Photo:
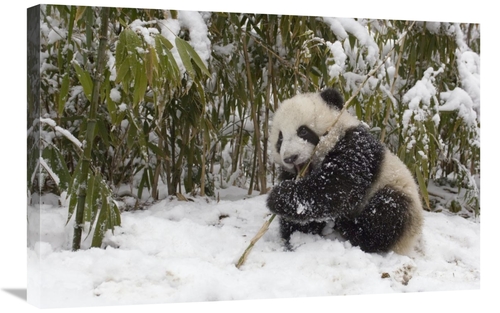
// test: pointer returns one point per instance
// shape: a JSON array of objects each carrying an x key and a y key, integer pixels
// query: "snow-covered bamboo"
[{"x": 91, "y": 125}]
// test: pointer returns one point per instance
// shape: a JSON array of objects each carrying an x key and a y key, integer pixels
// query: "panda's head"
[{"x": 300, "y": 123}]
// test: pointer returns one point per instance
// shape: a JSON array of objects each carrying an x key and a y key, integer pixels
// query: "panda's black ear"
[{"x": 333, "y": 98}]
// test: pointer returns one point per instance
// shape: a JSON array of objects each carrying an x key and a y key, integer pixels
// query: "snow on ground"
[{"x": 178, "y": 251}]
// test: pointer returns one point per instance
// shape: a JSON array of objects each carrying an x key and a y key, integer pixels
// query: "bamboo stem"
[
  {"x": 393, "y": 86},
  {"x": 255, "y": 116},
  {"x": 254, "y": 240},
  {"x": 91, "y": 124},
  {"x": 204, "y": 152}
]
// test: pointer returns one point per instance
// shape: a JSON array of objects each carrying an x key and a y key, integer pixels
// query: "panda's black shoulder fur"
[{"x": 333, "y": 98}]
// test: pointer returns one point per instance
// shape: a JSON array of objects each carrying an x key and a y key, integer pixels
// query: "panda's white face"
[
  {"x": 297, "y": 127},
  {"x": 295, "y": 147}
]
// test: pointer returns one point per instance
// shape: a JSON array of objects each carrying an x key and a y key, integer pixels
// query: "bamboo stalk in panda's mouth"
[{"x": 303, "y": 169}]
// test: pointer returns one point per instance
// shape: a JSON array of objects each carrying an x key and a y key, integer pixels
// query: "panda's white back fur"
[
  {"x": 311, "y": 110},
  {"x": 397, "y": 175}
]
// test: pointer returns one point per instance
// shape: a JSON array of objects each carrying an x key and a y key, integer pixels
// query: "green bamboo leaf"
[
  {"x": 201, "y": 92},
  {"x": 89, "y": 21},
  {"x": 127, "y": 59},
  {"x": 109, "y": 220},
  {"x": 85, "y": 80},
  {"x": 186, "y": 60},
  {"x": 60, "y": 61},
  {"x": 159, "y": 47},
  {"x": 116, "y": 214},
  {"x": 171, "y": 68},
  {"x": 432, "y": 46},
  {"x": 423, "y": 186},
  {"x": 161, "y": 52},
  {"x": 127, "y": 45},
  {"x": 72, "y": 204},
  {"x": 100, "y": 226},
  {"x": 140, "y": 83},
  {"x": 316, "y": 71},
  {"x": 206, "y": 129},
  {"x": 121, "y": 50},
  {"x": 359, "y": 109},
  {"x": 112, "y": 107},
  {"x": 73, "y": 189},
  {"x": 242, "y": 92},
  {"x": 103, "y": 132},
  {"x": 285, "y": 28},
  {"x": 99, "y": 188},
  {"x": 72, "y": 20},
  {"x": 79, "y": 12},
  {"x": 132, "y": 133},
  {"x": 144, "y": 182},
  {"x": 234, "y": 19},
  {"x": 63, "y": 93},
  {"x": 123, "y": 74},
  {"x": 113, "y": 209},
  {"x": 62, "y": 170},
  {"x": 135, "y": 131},
  {"x": 151, "y": 66},
  {"x": 402, "y": 153},
  {"x": 122, "y": 22},
  {"x": 154, "y": 148},
  {"x": 165, "y": 42},
  {"x": 196, "y": 58},
  {"x": 57, "y": 164},
  {"x": 89, "y": 199},
  {"x": 111, "y": 217},
  {"x": 413, "y": 56}
]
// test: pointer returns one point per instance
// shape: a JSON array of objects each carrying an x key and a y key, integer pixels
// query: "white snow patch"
[
  {"x": 186, "y": 251},
  {"x": 459, "y": 100},
  {"x": 198, "y": 34},
  {"x": 339, "y": 57},
  {"x": 62, "y": 131},
  {"x": 56, "y": 34},
  {"x": 469, "y": 70},
  {"x": 115, "y": 95},
  {"x": 122, "y": 107}
]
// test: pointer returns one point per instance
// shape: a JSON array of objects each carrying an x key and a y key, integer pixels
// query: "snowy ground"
[{"x": 178, "y": 251}]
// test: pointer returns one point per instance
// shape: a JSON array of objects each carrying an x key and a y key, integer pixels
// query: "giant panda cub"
[{"x": 353, "y": 181}]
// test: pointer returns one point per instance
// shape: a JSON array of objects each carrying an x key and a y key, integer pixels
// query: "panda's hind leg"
[{"x": 380, "y": 224}]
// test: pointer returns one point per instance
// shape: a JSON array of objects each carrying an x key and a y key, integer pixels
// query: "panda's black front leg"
[
  {"x": 298, "y": 201},
  {"x": 287, "y": 228},
  {"x": 285, "y": 199}
]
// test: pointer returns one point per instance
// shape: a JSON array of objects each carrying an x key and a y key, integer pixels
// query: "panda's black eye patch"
[
  {"x": 280, "y": 141},
  {"x": 308, "y": 135}
]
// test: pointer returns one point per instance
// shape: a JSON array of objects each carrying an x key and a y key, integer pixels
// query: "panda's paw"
[
  {"x": 279, "y": 200},
  {"x": 287, "y": 247}
]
